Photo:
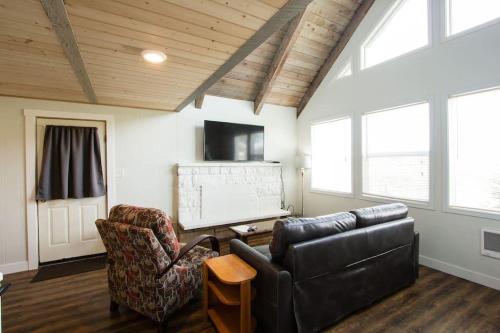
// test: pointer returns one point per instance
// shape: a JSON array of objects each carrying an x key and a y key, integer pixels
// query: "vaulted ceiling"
[{"x": 268, "y": 51}]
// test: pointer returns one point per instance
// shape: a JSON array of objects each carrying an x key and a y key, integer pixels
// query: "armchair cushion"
[
  {"x": 150, "y": 218},
  {"x": 183, "y": 281},
  {"x": 132, "y": 247}
]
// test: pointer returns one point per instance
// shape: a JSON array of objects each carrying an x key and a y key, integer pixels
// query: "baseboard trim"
[
  {"x": 14, "y": 267},
  {"x": 461, "y": 272}
]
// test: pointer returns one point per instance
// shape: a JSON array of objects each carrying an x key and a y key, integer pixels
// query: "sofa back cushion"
[
  {"x": 295, "y": 230},
  {"x": 369, "y": 216}
]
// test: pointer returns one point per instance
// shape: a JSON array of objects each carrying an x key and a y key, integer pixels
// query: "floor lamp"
[{"x": 303, "y": 162}]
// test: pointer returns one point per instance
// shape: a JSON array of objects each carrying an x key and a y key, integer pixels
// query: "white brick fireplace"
[{"x": 222, "y": 193}]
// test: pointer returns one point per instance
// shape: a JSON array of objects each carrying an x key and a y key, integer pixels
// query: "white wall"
[
  {"x": 449, "y": 242},
  {"x": 148, "y": 146}
]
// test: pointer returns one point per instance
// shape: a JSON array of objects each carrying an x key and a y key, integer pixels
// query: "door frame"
[{"x": 30, "y": 117}]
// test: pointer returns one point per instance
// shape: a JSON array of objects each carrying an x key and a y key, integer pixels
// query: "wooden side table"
[
  {"x": 228, "y": 293},
  {"x": 264, "y": 227}
]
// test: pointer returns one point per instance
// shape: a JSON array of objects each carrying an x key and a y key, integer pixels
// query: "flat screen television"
[{"x": 233, "y": 142}]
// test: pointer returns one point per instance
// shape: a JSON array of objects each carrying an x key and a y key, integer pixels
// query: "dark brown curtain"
[{"x": 71, "y": 164}]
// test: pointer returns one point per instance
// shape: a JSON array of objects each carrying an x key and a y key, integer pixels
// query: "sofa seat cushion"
[
  {"x": 369, "y": 216},
  {"x": 263, "y": 249},
  {"x": 295, "y": 230}
]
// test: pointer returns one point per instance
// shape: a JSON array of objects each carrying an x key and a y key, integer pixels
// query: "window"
[
  {"x": 473, "y": 151},
  {"x": 404, "y": 29},
  {"x": 331, "y": 156},
  {"x": 466, "y": 14},
  {"x": 396, "y": 146},
  {"x": 346, "y": 71}
]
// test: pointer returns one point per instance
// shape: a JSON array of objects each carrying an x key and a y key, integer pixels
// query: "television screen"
[{"x": 233, "y": 142}]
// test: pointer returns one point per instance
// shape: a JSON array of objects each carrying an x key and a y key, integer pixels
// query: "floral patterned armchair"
[{"x": 147, "y": 269}]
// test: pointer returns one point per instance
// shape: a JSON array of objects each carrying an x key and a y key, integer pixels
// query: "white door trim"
[{"x": 30, "y": 116}]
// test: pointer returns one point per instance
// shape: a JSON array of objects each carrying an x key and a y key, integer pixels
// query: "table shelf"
[
  {"x": 227, "y": 294},
  {"x": 227, "y": 280},
  {"x": 227, "y": 318}
]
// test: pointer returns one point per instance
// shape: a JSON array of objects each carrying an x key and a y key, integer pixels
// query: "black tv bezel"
[{"x": 235, "y": 161}]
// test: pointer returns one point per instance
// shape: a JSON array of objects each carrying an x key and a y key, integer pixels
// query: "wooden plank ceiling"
[
  {"x": 200, "y": 38},
  {"x": 326, "y": 20}
]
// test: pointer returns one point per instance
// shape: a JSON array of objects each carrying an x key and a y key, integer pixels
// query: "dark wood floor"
[{"x": 436, "y": 303}]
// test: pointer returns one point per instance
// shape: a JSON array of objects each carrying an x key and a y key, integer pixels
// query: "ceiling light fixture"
[{"x": 153, "y": 56}]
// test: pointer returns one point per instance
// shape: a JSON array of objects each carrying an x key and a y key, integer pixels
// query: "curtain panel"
[{"x": 71, "y": 164}]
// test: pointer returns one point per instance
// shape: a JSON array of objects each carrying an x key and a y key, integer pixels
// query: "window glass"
[
  {"x": 473, "y": 149},
  {"x": 466, "y": 14},
  {"x": 396, "y": 153},
  {"x": 403, "y": 30},
  {"x": 331, "y": 156}
]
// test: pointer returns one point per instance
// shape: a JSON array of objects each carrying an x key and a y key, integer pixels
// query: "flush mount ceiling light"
[{"x": 153, "y": 56}]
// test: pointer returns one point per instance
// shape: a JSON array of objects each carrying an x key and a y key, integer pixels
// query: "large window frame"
[
  {"x": 446, "y": 24},
  {"x": 446, "y": 174},
  {"x": 430, "y": 203},
  {"x": 334, "y": 192},
  {"x": 380, "y": 25}
]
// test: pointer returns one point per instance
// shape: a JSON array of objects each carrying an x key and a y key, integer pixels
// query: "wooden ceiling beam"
[
  {"x": 56, "y": 12},
  {"x": 279, "y": 59},
  {"x": 337, "y": 50},
  {"x": 198, "y": 102},
  {"x": 279, "y": 19}
]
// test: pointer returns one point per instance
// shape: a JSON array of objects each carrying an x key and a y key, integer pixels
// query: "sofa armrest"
[{"x": 273, "y": 285}]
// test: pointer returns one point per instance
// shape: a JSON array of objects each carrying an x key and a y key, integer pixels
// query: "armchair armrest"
[{"x": 192, "y": 243}]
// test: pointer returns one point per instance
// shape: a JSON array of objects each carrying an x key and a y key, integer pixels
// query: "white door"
[{"x": 66, "y": 228}]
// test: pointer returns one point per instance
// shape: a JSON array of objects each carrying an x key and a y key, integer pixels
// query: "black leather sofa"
[{"x": 317, "y": 271}]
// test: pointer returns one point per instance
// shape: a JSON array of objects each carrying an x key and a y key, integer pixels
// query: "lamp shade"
[{"x": 303, "y": 161}]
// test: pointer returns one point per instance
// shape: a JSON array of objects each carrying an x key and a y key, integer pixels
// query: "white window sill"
[
  {"x": 332, "y": 193},
  {"x": 409, "y": 203},
  {"x": 472, "y": 212}
]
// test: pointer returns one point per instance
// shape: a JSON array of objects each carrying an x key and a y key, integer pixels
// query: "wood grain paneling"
[
  {"x": 438, "y": 302},
  {"x": 280, "y": 56},
  {"x": 276, "y": 22},
  {"x": 243, "y": 80},
  {"x": 318, "y": 35},
  {"x": 198, "y": 36},
  {"x": 335, "y": 53},
  {"x": 32, "y": 62},
  {"x": 56, "y": 12},
  {"x": 216, "y": 47}
]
